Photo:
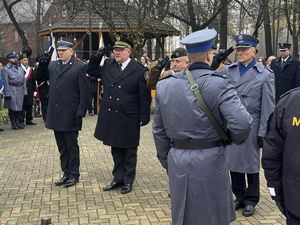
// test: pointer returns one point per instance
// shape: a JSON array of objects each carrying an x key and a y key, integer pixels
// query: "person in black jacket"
[
  {"x": 30, "y": 85},
  {"x": 42, "y": 88},
  {"x": 69, "y": 95},
  {"x": 286, "y": 70},
  {"x": 281, "y": 156},
  {"x": 125, "y": 107}
]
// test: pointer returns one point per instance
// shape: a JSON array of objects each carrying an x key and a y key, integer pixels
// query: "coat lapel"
[
  {"x": 249, "y": 75},
  {"x": 66, "y": 66},
  {"x": 126, "y": 72}
]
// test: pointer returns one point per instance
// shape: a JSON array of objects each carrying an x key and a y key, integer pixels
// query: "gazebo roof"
[{"x": 84, "y": 21}]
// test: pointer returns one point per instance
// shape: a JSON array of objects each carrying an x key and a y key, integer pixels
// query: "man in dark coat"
[
  {"x": 30, "y": 85},
  {"x": 281, "y": 156},
  {"x": 42, "y": 91},
  {"x": 14, "y": 90},
  {"x": 286, "y": 70},
  {"x": 68, "y": 100},
  {"x": 125, "y": 107}
]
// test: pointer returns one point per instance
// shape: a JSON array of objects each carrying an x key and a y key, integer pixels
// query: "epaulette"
[
  {"x": 171, "y": 75},
  {"x": 288, "y": 92},
  {"x": 219, "y": 74}
]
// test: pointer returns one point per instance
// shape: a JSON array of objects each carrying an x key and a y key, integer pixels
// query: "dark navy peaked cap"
[
  {"x": 284, "y": 46},
  {"x": 245, "y": 41},
  {"x": 64, "y": 44},
  {"x": 199, "y": 41}
]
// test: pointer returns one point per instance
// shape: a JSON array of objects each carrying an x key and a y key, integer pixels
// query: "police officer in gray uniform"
[
  {"x": 254, "y": 84},
  {"x": 187, "y": 144}
]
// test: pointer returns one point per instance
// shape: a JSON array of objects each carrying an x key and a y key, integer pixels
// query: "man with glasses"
[
  {"x": 254, "y": 84},
  {"x": 287, "y": 71},
  {"x": 125, "y": 107}
]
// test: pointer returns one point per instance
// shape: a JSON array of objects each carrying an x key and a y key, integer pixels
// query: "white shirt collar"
[
  {"x": 124, "y": 64},
  {"x": 285, "y": 59}
]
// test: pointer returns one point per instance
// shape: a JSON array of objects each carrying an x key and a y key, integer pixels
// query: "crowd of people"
[{"x": 209, "y": 125}]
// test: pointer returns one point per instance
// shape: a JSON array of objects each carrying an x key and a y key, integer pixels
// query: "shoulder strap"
[{"x": 203, "y": 105}]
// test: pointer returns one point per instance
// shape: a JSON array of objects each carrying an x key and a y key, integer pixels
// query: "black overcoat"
[
  {"x": 286, "y": 78},
  {"x": 31, "y": 88},
  {"x": 125, "y": 102},
  {"x": 281, "y": 152},
  {"x": 69, "y": 93}
]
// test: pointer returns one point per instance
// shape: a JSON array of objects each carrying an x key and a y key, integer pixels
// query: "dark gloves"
[
  {"x": 143, "y": 123},
  {"x": 7, "y": 97},
  {"x": 280, "y": 206},
  {"x": 260, "y": 142},
  {"x": 103, "y": 51},
  {"x": 78, "y": 122},
  {"x": 163, "y": 63},
  {"x": 45, "y": 57}
]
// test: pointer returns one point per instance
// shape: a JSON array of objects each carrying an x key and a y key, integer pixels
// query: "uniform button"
[
  {"x": 116, "y": 111},
  {"x": 112, "y": 85},
  {"x": 118, "y": 99},
  {"x": 109, "y": 109},
  {"x": 56, "y": 104},
  {"x": 110, "y": 97},
  {"x": 120, "y": 86}
]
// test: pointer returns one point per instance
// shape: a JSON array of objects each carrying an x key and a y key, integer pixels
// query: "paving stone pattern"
[{"x": 29, "y": 166}]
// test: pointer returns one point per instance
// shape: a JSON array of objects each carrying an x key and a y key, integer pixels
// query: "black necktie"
[{"x": 120, "y": 67}]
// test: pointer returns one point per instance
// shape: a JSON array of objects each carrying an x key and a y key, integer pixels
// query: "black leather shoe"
[
  {"x": 248, "y": 210},
  {"x": 238, "y": 205},
  {"x": 126, "y": 189},
  {"x": 30, "y": 123},
  {"x": 113, "y": 185},
  {"x": 71, "y": 181},
  {"x": 21, "y": 126},
  {"x": 15, "y": 127},
  {"x": 61, "y": 181}
]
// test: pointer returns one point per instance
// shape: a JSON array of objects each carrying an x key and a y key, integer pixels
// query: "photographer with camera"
[{"x": 69, "y": 93}]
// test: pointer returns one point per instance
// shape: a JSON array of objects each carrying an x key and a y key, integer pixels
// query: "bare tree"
[{"x": 10, "y": 13}]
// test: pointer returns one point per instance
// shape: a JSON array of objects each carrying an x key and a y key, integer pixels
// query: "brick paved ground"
[{"x": 29, "y": 165}]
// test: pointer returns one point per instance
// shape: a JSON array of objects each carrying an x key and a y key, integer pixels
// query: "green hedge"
[{"x": 4, "y": 116}]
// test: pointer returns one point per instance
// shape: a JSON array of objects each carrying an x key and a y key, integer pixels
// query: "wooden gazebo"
[{"x": 88, "y": 27}]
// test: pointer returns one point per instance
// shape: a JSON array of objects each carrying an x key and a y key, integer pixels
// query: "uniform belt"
[
  {"x": 16, "y": 85},
  {"x": 194, "y": 144}
]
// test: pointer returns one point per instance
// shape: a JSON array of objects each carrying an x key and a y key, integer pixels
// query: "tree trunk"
[
  {"x": 267, "y": 28},
  {"x": 38, "y": 25},
  {"x": 21, "y": 33},
  {"x": 223, "y": 25},
  {"x": 149, "y": 48}
]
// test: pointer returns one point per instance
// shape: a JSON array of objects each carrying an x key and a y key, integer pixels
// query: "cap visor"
[{"x": 120, "y": 46}]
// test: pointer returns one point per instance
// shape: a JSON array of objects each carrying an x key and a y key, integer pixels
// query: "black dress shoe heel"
[
  {"x": 126, "y": 189},
  {"x": 238, "y": 205},
  {"x": 113, "y": 185},
  {"x": 248, "y": 210},
  {"x": 71, "y": 181},
  {"x": 61, "y": 181},
  {"x": 30, "y": 123}
]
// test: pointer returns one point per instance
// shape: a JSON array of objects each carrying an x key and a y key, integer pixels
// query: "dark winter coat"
[{"x": 125, "y": 103}]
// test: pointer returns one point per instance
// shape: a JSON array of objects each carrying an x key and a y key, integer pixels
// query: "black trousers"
[
  {"x": 125, "y": 160},
  {"x": 93, "y": 103},
  {"x": 27, "y": 113},
  {"x": 44, "y": 105},
  {"x": 68, "y": 148},
  {"x": 15, "y": 118},
  {"x": 249, "y": 194}
]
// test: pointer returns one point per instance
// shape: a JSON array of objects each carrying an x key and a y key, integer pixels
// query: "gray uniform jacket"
[
  {"x": 14, "y": 87},
  {"x": 199, "y": 180},
  {"x": 257, "y": 92}
]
